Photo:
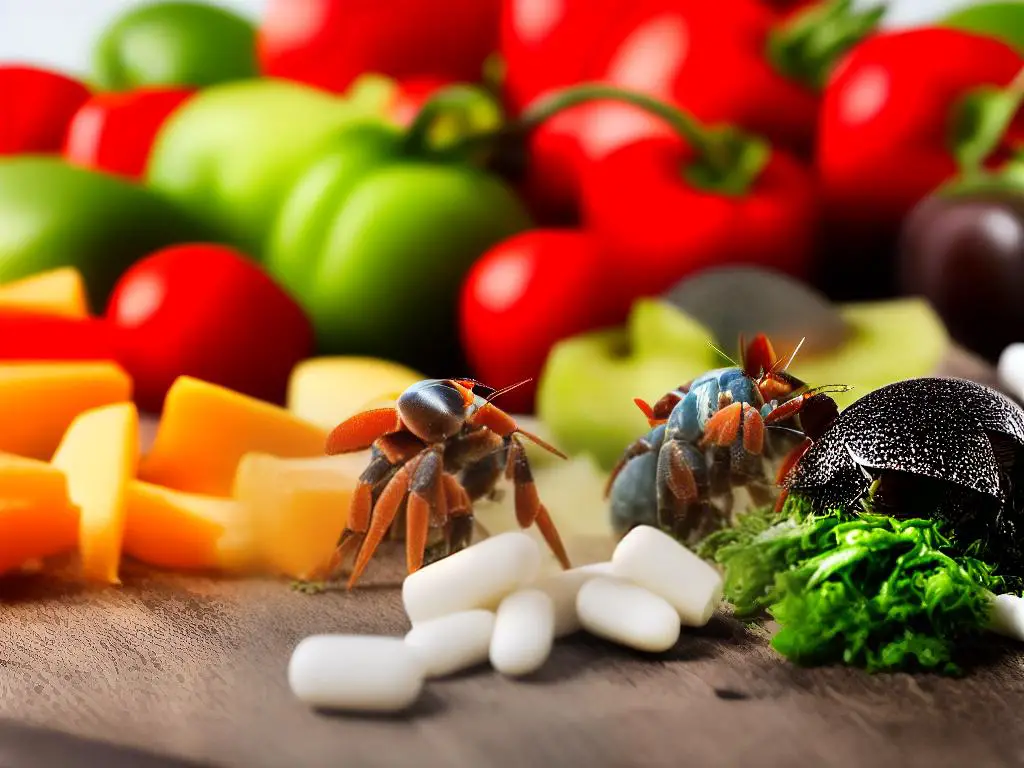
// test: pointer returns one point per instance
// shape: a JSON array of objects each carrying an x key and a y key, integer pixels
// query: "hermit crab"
[
  {"x": 933, "y": 447},
  {"x": 443, "y": 445},
  {"x": 709, "y": 437}
]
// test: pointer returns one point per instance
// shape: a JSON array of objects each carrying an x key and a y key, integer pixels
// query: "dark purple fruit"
[{"x": 964, "y": 253}]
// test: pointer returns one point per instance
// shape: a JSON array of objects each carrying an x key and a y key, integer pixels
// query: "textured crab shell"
[
  {"x": 634, "y": 494},
  {"x": 935, "y": 427},
  {"x": 691, "y": 414}
]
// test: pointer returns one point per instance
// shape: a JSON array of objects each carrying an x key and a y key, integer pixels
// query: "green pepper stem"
[
  {"x": 980, "y": 122},
  {"x": 451, "y": 100},
  {"x": 807, "y": 45},
  {"x": 700, "y": 139}
]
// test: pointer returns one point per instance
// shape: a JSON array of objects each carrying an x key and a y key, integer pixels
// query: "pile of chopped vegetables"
[{"x": 863, "y": 589}]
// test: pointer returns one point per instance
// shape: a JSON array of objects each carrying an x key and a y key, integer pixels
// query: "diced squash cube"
[
  {"x": 205, "y": 430},
  {"x": 37, "y": 519},
  {"x": 173, "y": 529},
  {"x": 54, "y": 292},
  {"x": 38, "y": 401},
  {"x": 300, "y": 507},
  {"x": 99, "y": 454},
  {"x": 327, "y": 390}
]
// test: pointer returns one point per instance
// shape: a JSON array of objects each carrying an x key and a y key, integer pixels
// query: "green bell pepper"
[
  {"x": 230, "y": 152},
  {"x": 184, "y": 44},
  {"x": 54, "y": 215},
  {"x": 375, "y": 237}
]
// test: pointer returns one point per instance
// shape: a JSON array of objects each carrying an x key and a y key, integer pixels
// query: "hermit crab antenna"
[
  {"x": 504, "y": 390},
  {"x": 724, "y": 356},
  {"x": 792, "y": 357}
]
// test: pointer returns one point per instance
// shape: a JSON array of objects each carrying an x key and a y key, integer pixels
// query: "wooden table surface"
[{"x": 194, "y": 668}]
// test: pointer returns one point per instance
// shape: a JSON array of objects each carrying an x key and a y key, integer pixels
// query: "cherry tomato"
[
  {"x": 523, "y": 296},
  {"x": 206, "y": 311}
]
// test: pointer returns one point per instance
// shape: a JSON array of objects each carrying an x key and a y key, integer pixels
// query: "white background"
[{"x": 59, "y": 33}]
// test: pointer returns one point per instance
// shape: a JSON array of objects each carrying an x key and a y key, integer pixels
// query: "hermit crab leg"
[
  {"x": 359, "y": 432},
  {"x": 637, "y": 448},
  {"x": 679, "y": 487},
  {"x": 384, "y": 512},
  {"x": 529, "y": 509},
  {"x": 497, "y": 420},
  {"x": 459, "y": 527},
  {"x": 423, "y": 501}
]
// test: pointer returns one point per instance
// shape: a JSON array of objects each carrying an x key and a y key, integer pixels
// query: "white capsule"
[
  {"x": 362, "y": 673},
  {"x": 654, "y": 560},
  {"x": 524, "y": 630},
  {"x": 477, "y": 577},
  {"x": 452, "y": 643},
  {"x": 562, "y": 588},
  {"x": 627, "y": 614},
  {"x": 1011, "y": 369},
  {"x": 1006, "y": 616}
]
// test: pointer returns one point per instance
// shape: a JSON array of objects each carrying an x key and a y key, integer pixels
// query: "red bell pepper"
[
  {"x": 37, "y": 106},
  {"x": 329, "y": 43},
  {"x": 113, "y": 132},
  {"x": 889, "y": 124},
  {"x": 904, "y": 113},
  {"x": 547, "y": 44},
  {"x": 664, "y": 208},
  {"x": 35, "y": 336},
  {"x": 525, "y": 295},
  {"x": 736, "y": 62}
]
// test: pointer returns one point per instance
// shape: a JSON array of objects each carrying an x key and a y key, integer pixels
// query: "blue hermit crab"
[{"x": 708, "y": 437}]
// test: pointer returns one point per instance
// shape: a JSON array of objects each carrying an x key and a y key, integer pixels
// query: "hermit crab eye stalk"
[
  {"x": 434, "y": 409},
  {"x": 477, "y": 387}
]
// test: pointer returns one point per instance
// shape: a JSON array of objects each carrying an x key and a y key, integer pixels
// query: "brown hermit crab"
[{"x": 443, "y": 445}]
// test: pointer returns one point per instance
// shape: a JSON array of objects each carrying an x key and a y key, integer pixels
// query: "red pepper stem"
[{"x": 702, "y": 140}]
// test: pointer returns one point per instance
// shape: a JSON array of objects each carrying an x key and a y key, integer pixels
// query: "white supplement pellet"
[
  {"x": 477, "y": 577},
  {"x": 524, "y": 630},
  {"x": 1011, "y": 369},
  {"x": 1007, "y": 616},
  {"x": 452, "y": 643},
  {"x": 627, "y": 614},
  {"x": 361, "y": 673},
  {"x": 654, "y": 560},
  {"x": 596, "y": 569},
  {"x": 563, "y": 587}
]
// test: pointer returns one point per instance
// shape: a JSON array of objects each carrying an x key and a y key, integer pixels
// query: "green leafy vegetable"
[{"x": 863, "y": 589}]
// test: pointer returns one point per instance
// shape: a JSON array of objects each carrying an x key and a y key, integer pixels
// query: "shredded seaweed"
[{"x": 862, "y": 589}]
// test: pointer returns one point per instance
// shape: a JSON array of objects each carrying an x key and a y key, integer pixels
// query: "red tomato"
[
  {"x": 329, "y": 43},
  {"x": 657, "y": 227},
  {"x": 522, "y": 297},
  {"x": 113, "y": 132},
  {"x": 206, "y": 311},
  {"x": 37, "y": 106}
]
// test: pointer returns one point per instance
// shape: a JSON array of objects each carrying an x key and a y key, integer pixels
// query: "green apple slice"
[
  {"x": 888, "y": 341},
  {"x": 586, "y": 390}
]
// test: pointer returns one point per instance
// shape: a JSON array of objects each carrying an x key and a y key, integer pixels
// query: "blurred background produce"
[{"x": 314, "y": 202}]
